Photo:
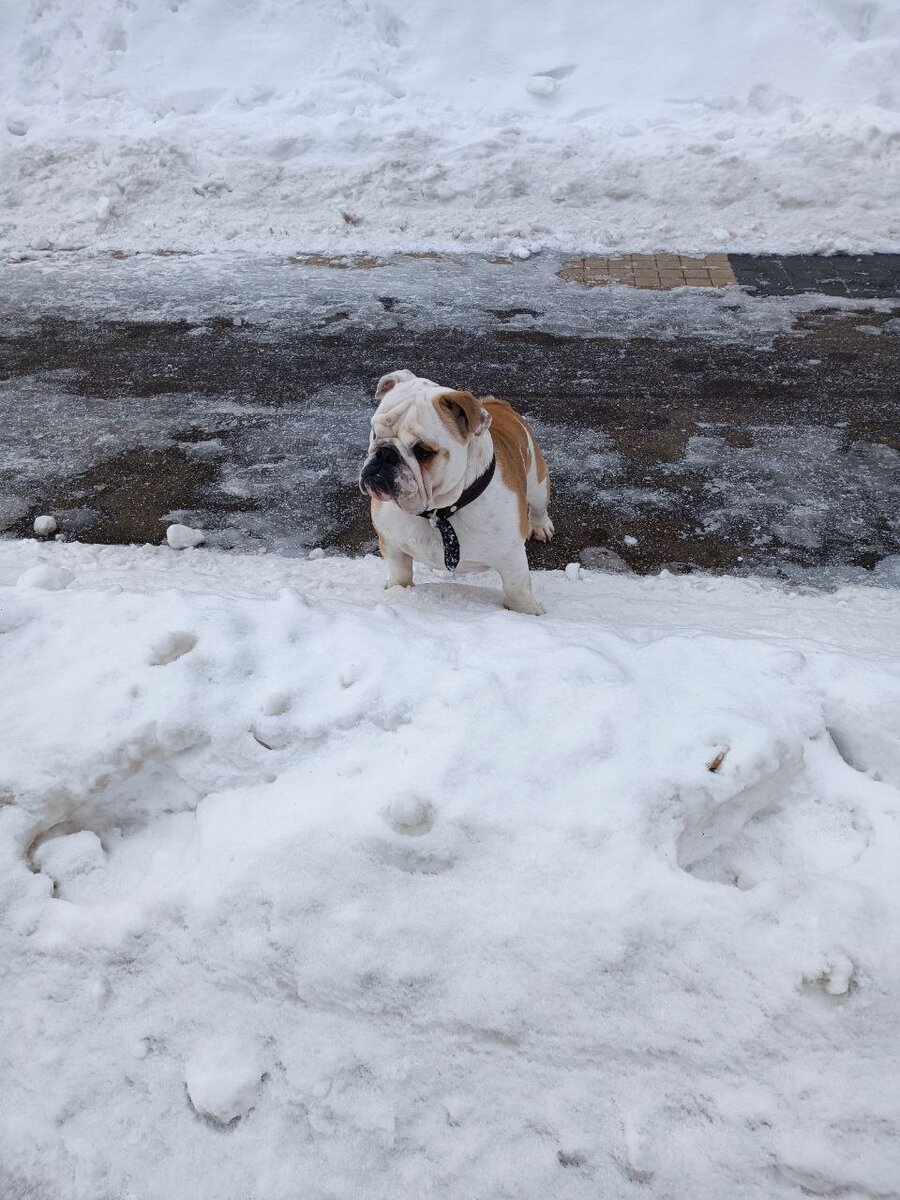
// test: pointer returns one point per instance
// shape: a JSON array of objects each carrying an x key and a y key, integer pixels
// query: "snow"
[
  {"x": 182, "y": 537},
  {"x": 296, "y": 124},
  {"x": 417, "y": 896},
  {"x": 44, "y": 526},
  {"x": 223, "y": 1076},
  {"x": 45, "y": 575}
]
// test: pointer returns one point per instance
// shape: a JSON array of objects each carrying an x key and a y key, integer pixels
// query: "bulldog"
[{"x": 455, "y": 482}]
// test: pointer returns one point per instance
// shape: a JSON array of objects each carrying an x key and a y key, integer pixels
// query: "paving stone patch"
[{"x": 659, "y": 272}]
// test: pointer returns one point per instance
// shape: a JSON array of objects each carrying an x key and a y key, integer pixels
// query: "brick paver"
[{"x": 660, "y": 272}]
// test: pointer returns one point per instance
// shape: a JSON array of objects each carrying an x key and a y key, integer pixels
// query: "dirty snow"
[
  {"x": 287, "y": 124},
  {"x": 312, "y": 888}
]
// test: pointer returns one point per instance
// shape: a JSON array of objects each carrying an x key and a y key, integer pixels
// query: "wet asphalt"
[{"x": 777, "y": 456}]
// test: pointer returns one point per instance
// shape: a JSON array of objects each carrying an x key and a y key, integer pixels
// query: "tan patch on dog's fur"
[
  {"x": 461, "y": 412},
  {"x": 512, "y": 447}
]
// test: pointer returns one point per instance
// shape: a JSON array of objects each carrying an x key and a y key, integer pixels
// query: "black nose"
[
  {"x": 386, "y": 456},
  {"x": 379, "y": 474},
  {"x": 382, "y": 460}
]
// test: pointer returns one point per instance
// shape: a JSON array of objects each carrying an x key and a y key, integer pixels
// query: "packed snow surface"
[
  {"x": 688, "y": 125},
  {"x": 313, "y": 889}
]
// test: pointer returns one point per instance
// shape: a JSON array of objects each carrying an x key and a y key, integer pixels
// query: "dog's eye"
[{"x": 424, "y": 453}]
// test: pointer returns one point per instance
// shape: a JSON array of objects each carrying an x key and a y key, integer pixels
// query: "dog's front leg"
[
  {"x": 400, "y": 565},
  {"x": 517, "y": 593}
]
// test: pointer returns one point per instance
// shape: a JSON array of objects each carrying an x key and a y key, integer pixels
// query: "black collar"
[
  {"x": 466, "y": 496},
  {"x": 440, "y": 517}
]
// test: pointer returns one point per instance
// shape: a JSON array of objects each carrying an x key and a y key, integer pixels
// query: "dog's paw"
[
  {"x": 542, "y": 531},
  {"x": 391, "y": 583},
  {"x": 530, "y": 608}
]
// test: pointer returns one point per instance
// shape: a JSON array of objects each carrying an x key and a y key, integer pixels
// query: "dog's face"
[{"x": 421, "y": 436}]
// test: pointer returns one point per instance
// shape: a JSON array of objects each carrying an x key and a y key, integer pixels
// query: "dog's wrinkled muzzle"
[{"x": 380, "y": 473}]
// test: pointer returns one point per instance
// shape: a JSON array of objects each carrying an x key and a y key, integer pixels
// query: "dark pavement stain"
[{"x": 123, "y": 500}]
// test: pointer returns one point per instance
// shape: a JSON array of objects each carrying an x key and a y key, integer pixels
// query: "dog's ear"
[
  {"x": 465, "y": 412},
  {"x": 386, "y": 382}
]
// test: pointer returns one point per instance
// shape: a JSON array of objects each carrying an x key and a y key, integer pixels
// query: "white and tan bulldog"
[{"x": 454, "y": 482}]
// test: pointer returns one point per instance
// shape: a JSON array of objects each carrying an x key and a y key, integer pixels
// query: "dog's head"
[{"x": 420, "y": 443}]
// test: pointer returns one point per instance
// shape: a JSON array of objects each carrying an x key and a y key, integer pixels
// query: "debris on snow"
[
  {"x": 717, "y": 761},
  {"x": 838, "y": 975}
]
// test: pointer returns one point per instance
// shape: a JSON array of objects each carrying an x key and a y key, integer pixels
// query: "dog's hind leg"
[
  {"x": 538, "y": 496},
  {"x": 517, "y": 593}
]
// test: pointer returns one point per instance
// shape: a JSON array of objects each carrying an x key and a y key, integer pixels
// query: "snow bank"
[
  {"x": 301, "y": 124},
  {"x": 312, "y": 888}
]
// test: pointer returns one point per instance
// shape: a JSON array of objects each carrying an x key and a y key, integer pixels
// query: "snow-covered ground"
[
  {"x": 349, "y": 124},
  {"x": 309, "y": 889},
  {"x": 315, "y": 890}
]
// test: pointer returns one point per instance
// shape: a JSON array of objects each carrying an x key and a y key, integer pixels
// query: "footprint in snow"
[
  {"x": 171, "y": 647},
  {"x": 753, "y": 825},
  {"x": 277, "y": 704},
  {"x": 64, "y": 855},
  {"x": 223, "y": 1078},
  {"x": 410, "y": 815}
]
